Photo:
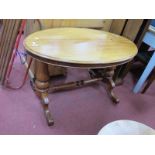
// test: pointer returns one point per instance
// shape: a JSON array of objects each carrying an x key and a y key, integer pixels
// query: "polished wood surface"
[
  {"x": 80, "y": 46},
  {"x": 77, "y": 47},
  {"x": 41, "y": 88},
  {"x": 34, "y": 25}
]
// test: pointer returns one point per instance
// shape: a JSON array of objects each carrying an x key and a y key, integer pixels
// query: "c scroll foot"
[
  {"x": 109, "y": 89},
  {"x": 45, "y": 102}
]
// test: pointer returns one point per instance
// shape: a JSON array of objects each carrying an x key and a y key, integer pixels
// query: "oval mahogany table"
[{"x": 77, "y": 47}]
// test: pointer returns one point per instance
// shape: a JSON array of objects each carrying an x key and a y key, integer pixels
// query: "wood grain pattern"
[
  {"x": 11, "y": 46},
  {"x": 9, "y": 34},
  {"x": 117, "y": 26},
  {"x": 84, "y": 23},
  {"x": 33, "y": 26},
  {"x": 79, "y": 45},
  {"x": 4, "y": 33},
  {"x": 4, "y": 43},
  {"x": 41, "y": 88},
  {"x": 7, "y": 39},
  {"x": 132, "y": 27}
]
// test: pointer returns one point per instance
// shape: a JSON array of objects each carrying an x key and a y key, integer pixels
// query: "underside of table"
[{"x": 42, "y": 85}]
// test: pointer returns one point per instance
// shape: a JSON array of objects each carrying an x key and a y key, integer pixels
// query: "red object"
[{"x": 13, "y": 58}]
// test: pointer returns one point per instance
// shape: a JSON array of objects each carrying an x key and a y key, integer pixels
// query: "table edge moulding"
[{"x": 101, "y": 50}]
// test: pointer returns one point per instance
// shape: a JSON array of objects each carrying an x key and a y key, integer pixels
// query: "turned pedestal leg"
[
  {"x": 108, "y": 79},
  {"x": 41, "y": 87}
]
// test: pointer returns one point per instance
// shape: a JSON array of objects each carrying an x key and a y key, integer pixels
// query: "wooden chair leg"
[{"x": 150, "y": 81}]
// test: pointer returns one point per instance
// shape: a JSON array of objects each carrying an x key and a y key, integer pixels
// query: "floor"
[{"x": 81, "y": 111}]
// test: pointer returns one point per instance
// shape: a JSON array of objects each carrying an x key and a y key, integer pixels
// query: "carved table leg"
[
  {"x": 108, "y": 78},
  {"x": 41, "y": 87}
]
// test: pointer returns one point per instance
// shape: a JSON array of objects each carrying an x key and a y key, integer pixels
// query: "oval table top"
[{"x": 79, "y": 46}]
